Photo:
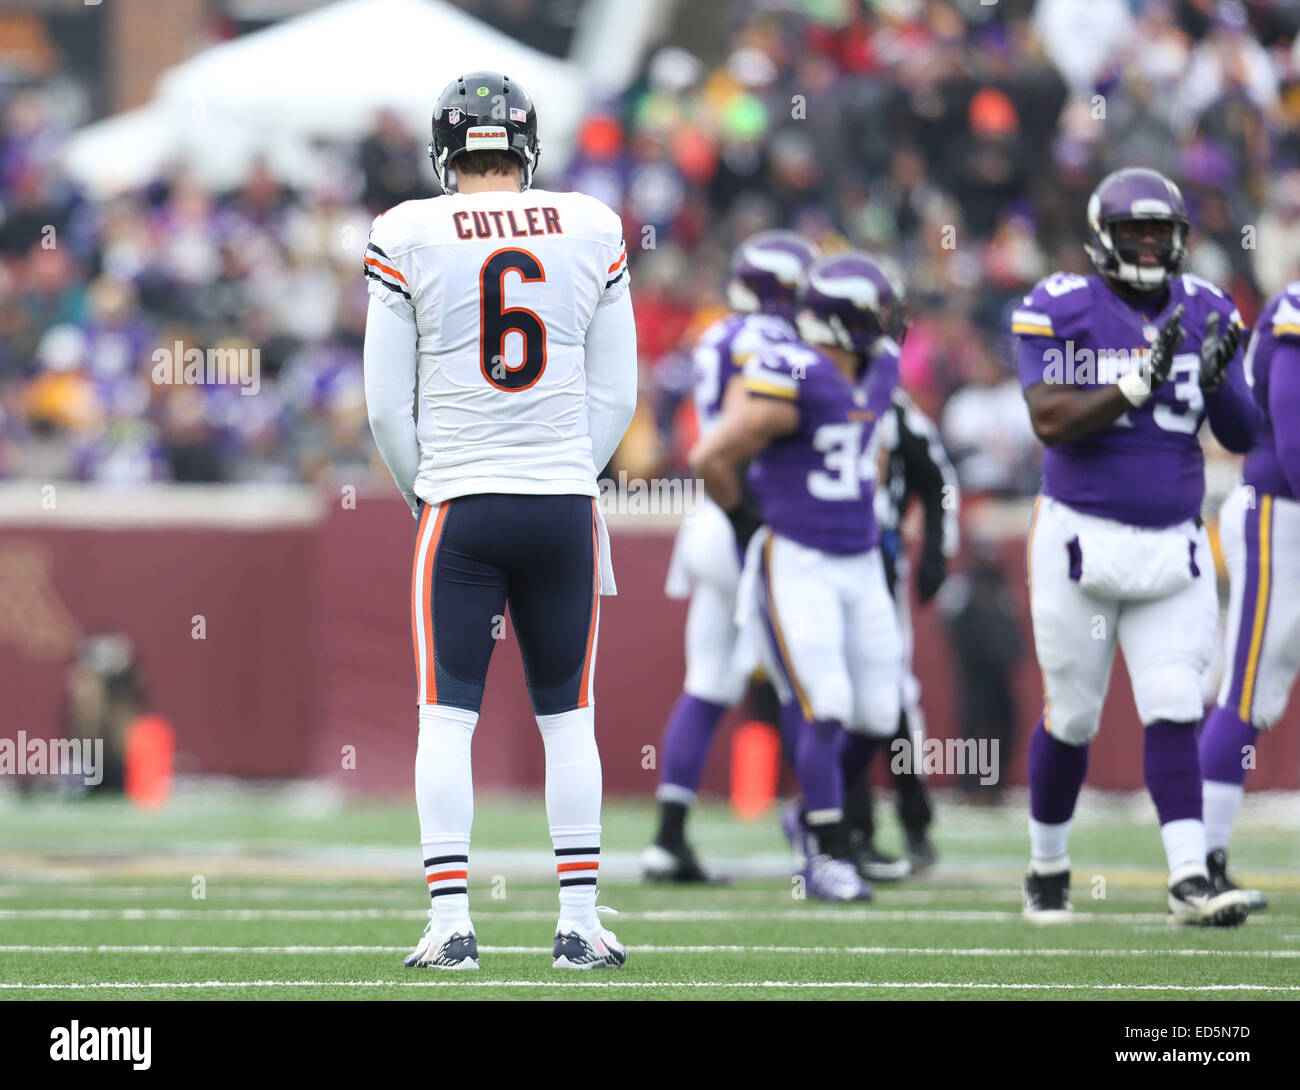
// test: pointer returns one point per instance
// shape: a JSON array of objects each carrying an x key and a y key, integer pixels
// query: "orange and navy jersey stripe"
[
  {"x": 619, "y": 267},
  {"x": 577, "y": 866},
  {"x": 378, "y": 266},
  {"x": 447, "y": 874}
]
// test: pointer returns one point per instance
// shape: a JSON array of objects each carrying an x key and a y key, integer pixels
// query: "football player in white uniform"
[
  {"x": 765, "y": 274},
  {"x": 501, "y": 374}
]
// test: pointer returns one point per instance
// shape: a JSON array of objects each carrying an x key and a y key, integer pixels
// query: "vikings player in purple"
[
  {"x": 1259, "y": 527},
  {"x": 814, "y": 581},
  {"x": 765, "y": 273},
  {"x": 1119, "y": 371}
]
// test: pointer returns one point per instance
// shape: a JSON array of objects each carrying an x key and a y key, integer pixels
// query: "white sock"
[
  {"x": 1049, "y": 847},
  {"x": 1184, "y": 846},
  {"x": 1219, "y": 802},
  {"x": 573, "y": 792},
  {"x": 444, "y": 796}
]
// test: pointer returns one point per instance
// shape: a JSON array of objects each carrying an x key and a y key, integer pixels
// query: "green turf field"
[{"x": 307, "y": 895}]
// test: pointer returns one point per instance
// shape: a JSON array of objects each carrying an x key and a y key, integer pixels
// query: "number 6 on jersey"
[{"x": 496, "y": 321}]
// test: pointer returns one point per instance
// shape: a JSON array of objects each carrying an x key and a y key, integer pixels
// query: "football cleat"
[
  {"x": 1217, "y": 864},
  {"x": 829, "y": 879},
  {"x": 803, "y": 844},
  {"x": 1193, "y": 901},
  {"x": 660, "y": 864},
  {"x": 455, "y": 948},
  {"x": 587, "y": 948},
  {"x": 920, "y": 852},
  {"x": 1047, "y": 898},
  {"x": 876, "y": 865}
]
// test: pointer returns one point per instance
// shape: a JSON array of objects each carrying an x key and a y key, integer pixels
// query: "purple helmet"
[
  {"x": 849, "y": 301},
  {"x": 766, "y": 273},
  {"x": 1136, "y": 194}
]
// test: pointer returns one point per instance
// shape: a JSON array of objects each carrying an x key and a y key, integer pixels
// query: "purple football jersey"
[
  {"x": 1273, "y": 371},
  {"x": 816, "y": 486},
  {"x": 721, "y": 352},
  {"x": 1147, "y": 468}
]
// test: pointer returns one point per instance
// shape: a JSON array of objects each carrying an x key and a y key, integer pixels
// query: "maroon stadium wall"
[{"x": 303, "y": 668}]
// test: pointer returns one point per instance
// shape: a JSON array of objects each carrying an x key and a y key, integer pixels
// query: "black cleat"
[
  {"x": 876, "y": 866},
  {"x": 1217, "y": 865},
  {"x": 1194, "y": 901},
  {"x": 1047, "y": 898},
  {"x": 920, "y": 852},
  {"x": 678, "y": 864}
]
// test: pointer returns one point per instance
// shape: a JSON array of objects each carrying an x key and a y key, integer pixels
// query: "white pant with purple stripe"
[
  {"x": 1167, "y": 641},
  {"x": 1260, "y": 535},
  {"x": 831, "y": 638}
]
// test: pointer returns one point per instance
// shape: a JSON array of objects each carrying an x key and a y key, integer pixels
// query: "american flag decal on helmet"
[{"x": 516, "y": 114}]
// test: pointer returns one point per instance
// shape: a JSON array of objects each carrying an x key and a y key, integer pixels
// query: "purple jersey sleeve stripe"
[{"x": 770, "y": 389}]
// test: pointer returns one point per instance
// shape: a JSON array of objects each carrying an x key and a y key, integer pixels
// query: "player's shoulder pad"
[
  {"x": 398, "y": 229},
  {"x": 756, "y": 332},
  {"x": 1284, "y": 322},
  {"x": 1201, "y": 298},
  {"x": 718, "y": 331},
  {"x": 1057, "y": 306},
  {"x": 780, "y": 370},
  {"x": 584, "y": 215}
]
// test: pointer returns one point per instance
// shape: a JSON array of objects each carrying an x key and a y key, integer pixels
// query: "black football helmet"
[{"x": 483, "y": 111}]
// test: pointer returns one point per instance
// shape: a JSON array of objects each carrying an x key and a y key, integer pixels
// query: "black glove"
[
  {"x": 1137, "y": 386},
  {"x": 1161, "y": 360},
  {"x": 1217, "y": 351},
  {"x": 930, "y": 575}
]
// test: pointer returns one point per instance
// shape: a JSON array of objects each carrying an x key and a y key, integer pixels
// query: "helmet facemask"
[{"x": 1119, "y": 245}]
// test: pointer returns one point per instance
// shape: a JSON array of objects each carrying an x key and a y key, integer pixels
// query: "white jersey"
[{"x": 501, "y": 287}]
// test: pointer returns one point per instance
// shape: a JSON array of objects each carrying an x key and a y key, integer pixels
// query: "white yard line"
[
  {"x": 953, "y": 951},
  {"x": 821, "y": 914},
  {"x": 634, "y": 985}
]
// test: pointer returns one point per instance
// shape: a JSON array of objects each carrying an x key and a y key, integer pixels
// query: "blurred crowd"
[{"x": 959, "y": 140}]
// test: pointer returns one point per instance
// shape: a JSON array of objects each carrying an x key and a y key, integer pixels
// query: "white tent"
[{"x": 324, "y": 74}]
